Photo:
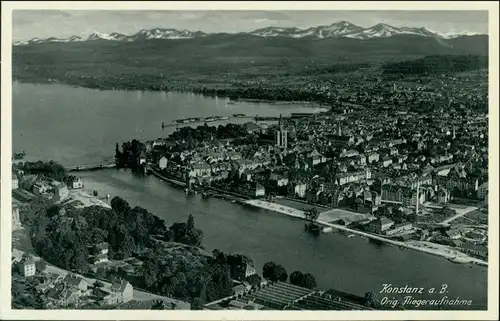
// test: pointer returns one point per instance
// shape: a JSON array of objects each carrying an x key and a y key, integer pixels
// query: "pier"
[
  {"x": 195, "y": 121},
  {"x": 90, "y": 167}
]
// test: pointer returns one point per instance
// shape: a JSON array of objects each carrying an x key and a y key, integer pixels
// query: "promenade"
[{"x": 415, "y": 245}]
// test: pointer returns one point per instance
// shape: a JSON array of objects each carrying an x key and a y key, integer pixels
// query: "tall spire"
[{"x": 418, "y": 195}]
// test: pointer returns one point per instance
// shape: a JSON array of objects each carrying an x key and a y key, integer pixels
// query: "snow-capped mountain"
[
  {"x": 383, "y": 30},
  {"x": 159, "y": 33},
  {"x": 339, "y": 29}
]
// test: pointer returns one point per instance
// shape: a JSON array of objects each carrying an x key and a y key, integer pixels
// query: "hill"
[
  {"x": 437, "y": 64},
  {"x": 221, "y": 60}
]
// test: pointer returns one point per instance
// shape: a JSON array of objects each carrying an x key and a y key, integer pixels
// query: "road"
[{"x": 422, "y": 247}]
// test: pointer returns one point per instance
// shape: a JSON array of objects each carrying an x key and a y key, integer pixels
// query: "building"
[
  {"x": 101, "y": 248},
  {"x": 244, "y": 271},
  {"x": 15, "y": 181},
  {"x": 122, "y": 290},
  {"x": 315, "y": 158},
  {"x": 259, "y": 190},
  {"x": 99, "y": 258},
  {"x": 351, "y": 177},
  {"x": 482, "y": 191},
  {"x": 454, "y": 234},
  {"x": 76, "y": 282},
  {"x": 373, "y": 157},
  {"x": 443, "y": 196},
  {"x": 199, "y": 170},
  {"x": 16, "y": 222},
  {"x": 27, "y": 267},
  {"x": 456, "y": 178},
  {"x": 475, "y": 249},
  {"x": 62, "y": 295},
  {"x": 142, "y": 158},
  {"x": 99, "y": 253},
  {"x": 61, "y": 191},
  {"x": 386, "y": 161},
  {"x": 278, "y": 180},
  {"x": 40, "y": 188},
  {"x": 380, "y": 225},
  {"x": 392, "y": 193},
  {"x": 281, "y": 135},
  {"x": 163, "y": 162},
  {"x": 75, "y": 182},
  {"x": 399, "y": 228}
]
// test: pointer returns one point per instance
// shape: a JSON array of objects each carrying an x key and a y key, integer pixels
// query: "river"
[{"x": 76, "y": 125}]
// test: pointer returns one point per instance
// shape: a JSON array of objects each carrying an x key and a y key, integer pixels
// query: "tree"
[
  {"x": 281, "y": 274},
  {"x": 274, "y": 272},
  {"x": 371, "y": 300},
  {"x": 150, "y": 273},
  {"x": 121, "y": 242},
  {"x": 190, "y": 222},
  {"x": 296, "y": 278},
  {"x": 254, "y": 280},
  {"x": 197, "y": 304},
  {"x": 308, "y": 281},
  {"x": 40, "y": 265},
  {"x": 119, "y": 205}
]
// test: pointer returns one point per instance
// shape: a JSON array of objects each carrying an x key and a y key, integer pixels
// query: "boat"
[
  {"x": 351, "y": 235},
  {"x": 233, "y": 201}
]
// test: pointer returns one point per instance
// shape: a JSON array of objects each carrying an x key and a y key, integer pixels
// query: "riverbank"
[{"x": 426, "y": 247}]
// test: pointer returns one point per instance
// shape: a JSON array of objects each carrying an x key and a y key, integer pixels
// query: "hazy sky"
[{"x": 28, "y": 24}]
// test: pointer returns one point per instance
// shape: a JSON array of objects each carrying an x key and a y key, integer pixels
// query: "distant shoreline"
[{"x": 200, "y": 89}]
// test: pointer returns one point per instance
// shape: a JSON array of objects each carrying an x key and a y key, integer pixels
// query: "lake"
[{"x": 76, "y": 125}]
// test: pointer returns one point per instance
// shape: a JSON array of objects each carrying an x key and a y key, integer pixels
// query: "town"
[
  {"x": 369, "y": 163},
  {"x": 372, "y": 164}
]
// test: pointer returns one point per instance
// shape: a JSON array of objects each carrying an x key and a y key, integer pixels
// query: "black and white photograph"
[{"x": 181, "y": 157}]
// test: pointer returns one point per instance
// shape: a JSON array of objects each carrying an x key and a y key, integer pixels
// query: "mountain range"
[{"x": 342, "y": 29}]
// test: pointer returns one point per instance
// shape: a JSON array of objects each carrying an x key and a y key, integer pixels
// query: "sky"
[{"x": 29, "y": 24}]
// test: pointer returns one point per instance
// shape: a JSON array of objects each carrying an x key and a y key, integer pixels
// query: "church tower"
[{"x": 281, "y": 135}]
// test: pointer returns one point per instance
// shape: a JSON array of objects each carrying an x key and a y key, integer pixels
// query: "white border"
[{"x": 6, "y": 152}]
